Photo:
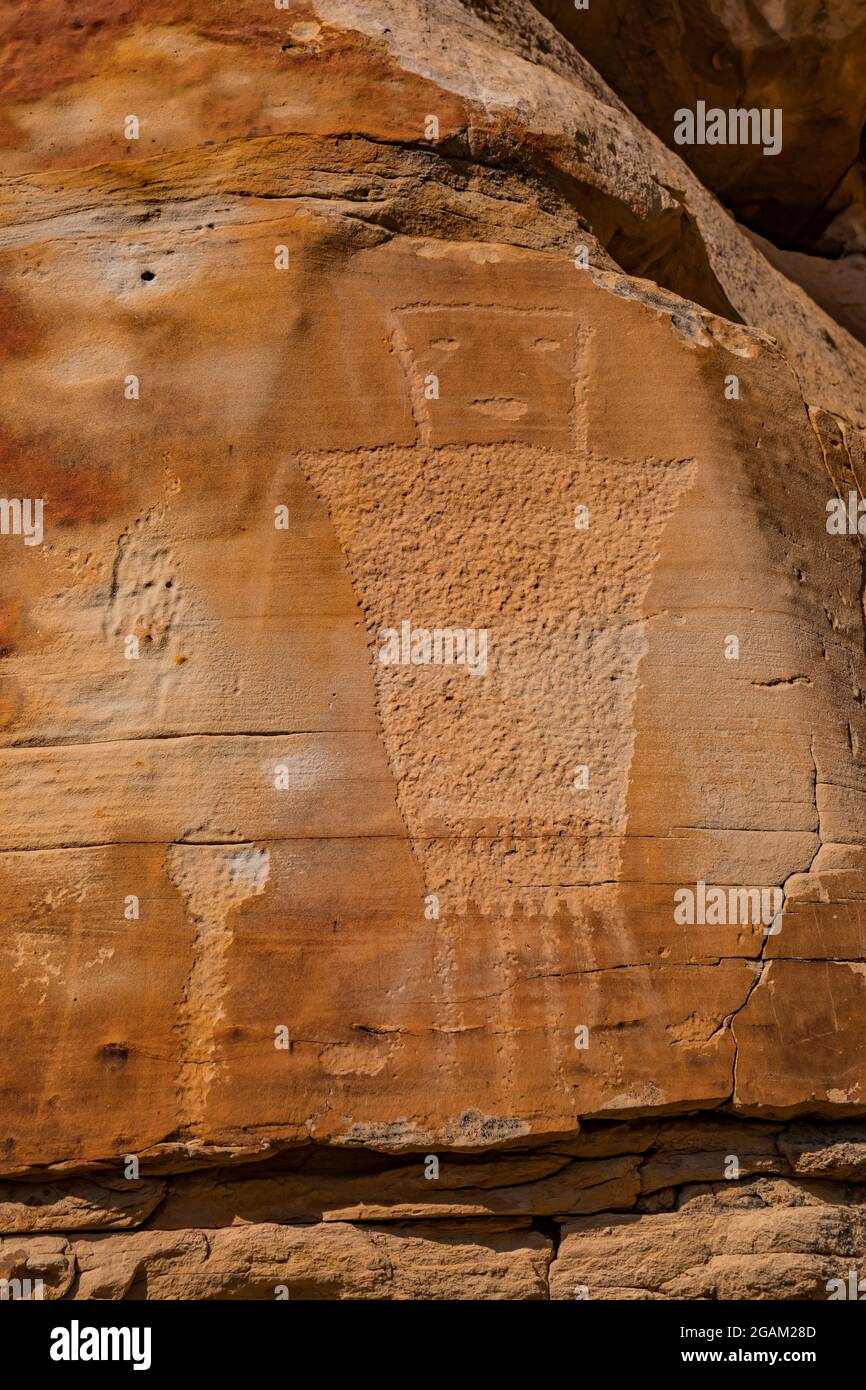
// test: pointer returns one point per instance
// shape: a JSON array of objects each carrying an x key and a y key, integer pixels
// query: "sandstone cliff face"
[
  {"x": 803, "y": 57},
  {"x": 797, "y": 63},
  {"x": 362, "y": 979}
]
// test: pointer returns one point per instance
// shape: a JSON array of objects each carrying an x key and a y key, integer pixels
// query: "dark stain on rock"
[
  {"x": 114, "y": 1055},
  {"x": 74, "y": 490}
]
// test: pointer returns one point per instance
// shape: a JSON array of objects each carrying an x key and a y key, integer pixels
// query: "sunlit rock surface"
[{"x": 386, "y": 315}]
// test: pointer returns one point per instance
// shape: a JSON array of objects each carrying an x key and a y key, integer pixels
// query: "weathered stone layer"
[{"x": 291, "y": 369}]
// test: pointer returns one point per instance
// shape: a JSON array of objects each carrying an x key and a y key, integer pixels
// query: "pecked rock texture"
[{"x": 326, "y": 977}]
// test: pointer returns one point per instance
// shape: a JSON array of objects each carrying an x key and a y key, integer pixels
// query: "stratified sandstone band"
[{"x": 299, "y": 368}]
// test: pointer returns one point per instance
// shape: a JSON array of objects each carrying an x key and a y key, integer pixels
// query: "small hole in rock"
[{"x": 148, "y": 275}]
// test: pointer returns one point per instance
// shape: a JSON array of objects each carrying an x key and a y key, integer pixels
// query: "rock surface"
[
  {"x": 802, "y": 57},
  {"x": 705, "y": 1207},
  {"x": 280, "y": 921}
]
